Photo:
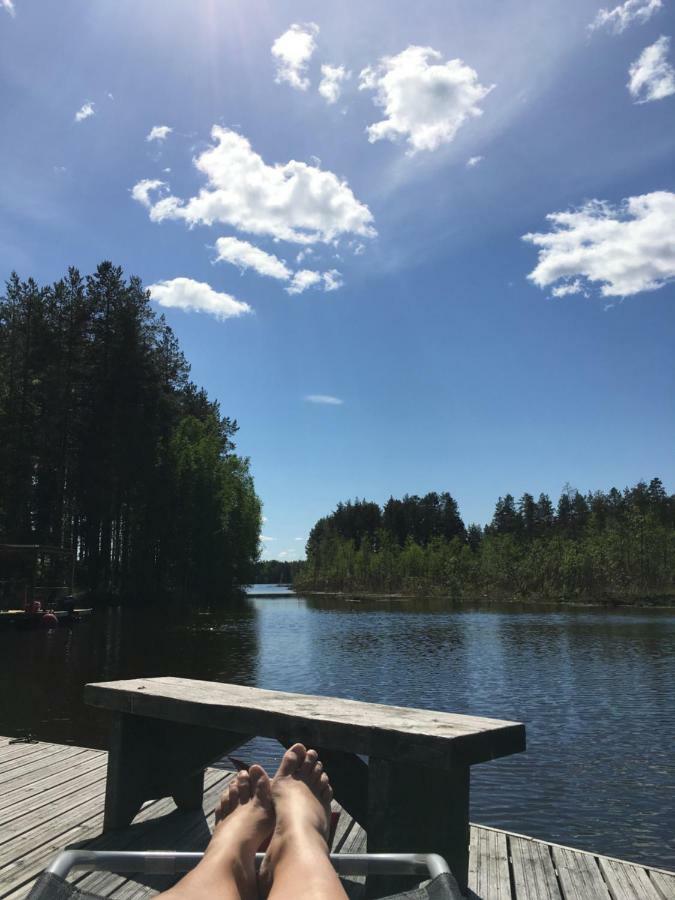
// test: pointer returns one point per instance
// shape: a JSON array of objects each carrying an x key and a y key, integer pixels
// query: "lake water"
[{"x": 595, "y": 688}]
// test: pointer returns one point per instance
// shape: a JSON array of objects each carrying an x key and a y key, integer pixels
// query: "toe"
[
  {"x": 263, "y": 788},
  {"x": 255, "y": 773},
  {"x": 222, "y": 807},
  {"x": 317, "y": 772},
  {"x": 292, "y": 759},
  {"x": 306, "y": 769},
  {"x": 244, "y": 786},
  {"x": 233, "y": 795}
]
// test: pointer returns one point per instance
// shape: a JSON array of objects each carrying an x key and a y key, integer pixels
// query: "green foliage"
[
  {"x": 107, "y": 447},
  {"x": 618, "y": 544},
  {"x": 276, "y": 571}
]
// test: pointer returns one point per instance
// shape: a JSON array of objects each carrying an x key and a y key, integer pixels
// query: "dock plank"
[
  {"x": 579, "y": 875},
  {"x": 626, "y": 882},
  {"x": 24, "y": 802},
  {"x": 664, "y": 884},
  {"x": 66, "y": 805},
  {"x": 59, "y": 779},
  {"x": 533, "y": 873},
  {"x": 56, "y": 755},
  {"x": 489, "y": 877}
]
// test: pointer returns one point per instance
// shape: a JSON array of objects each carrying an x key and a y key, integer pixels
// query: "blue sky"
[{"x": 455, "y": 371}]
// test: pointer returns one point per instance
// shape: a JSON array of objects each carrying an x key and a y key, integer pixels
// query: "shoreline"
[{"x": 623, "y": 602}]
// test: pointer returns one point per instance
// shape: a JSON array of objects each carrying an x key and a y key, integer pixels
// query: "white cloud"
[
  {"x": 569, "y": 287},
  {"x": 159, "y": 133},
  {"x": 473, "y": 161},
  {"x": 625, "y": 249},
  {"x": 651, "y": 75},
  {"x": 291, "y": 201},
  {"x": 142, "y": 190},
  {"x": 303, "y": 254},
  {"x": 85, "y": 111},
  {"x": 263, "y": 537},
  {"x": 9, "y": 6},
  {"x": 306, "y": 278},
  {"x": 247, "y": 256},
  {"x": 299, "y": 539},
  {"x": 424, "y": 101},
  {"x": 619, "y": 18},
  {"x": 303, "y": 279},
  {"x": 196, "y": 296},
  {"x": 330, "y": 86},
  {"x": 332, "y": 280},
  {"x": 292, "y": 52},
  {"x": 324, "y": 400}
]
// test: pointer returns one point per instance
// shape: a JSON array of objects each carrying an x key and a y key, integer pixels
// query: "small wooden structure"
[{"x": 412, "y": 795}]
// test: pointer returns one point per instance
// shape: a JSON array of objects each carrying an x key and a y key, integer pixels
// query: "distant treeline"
[
  {"x": 276, "y": 571},
  {"x": 107, "y": 447},
  {"x": 614, "y": 544}
]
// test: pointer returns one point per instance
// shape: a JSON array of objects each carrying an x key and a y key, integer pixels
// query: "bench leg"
[
  {"x": 152, "y": 758},
  {"x": 414, "y": 809}
]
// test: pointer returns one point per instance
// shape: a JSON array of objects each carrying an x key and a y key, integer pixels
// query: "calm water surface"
[{"x": 596, "y": 690}]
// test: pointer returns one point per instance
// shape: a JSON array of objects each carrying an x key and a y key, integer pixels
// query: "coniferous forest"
[
  {"x": 614, "y": 545},
  {"x": 108, "y": 448}
]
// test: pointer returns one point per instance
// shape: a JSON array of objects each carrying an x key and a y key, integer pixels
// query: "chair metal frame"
[{"x": 160, "y": 862}]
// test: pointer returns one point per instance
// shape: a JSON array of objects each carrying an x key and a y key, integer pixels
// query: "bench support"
[
  {"x": 152, "y": 758},
  {"x": 416, "y": 809}
]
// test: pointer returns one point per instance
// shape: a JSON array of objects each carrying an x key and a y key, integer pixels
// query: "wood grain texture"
[
  {"x": 579, "y": 875},
  {"x": 408, "y": 735},
  {"x": 533, "y": 873},
  {"x": 489, "y": 877},
  {"x": 664, "y": 884},
  {"x": 627, "y": 882}
]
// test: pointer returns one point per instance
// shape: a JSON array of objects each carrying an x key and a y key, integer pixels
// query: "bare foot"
[
  {"x": 245, "y": 814},
  {"x": 244, "y": 819},
  {"x": 301, "y": 793}
]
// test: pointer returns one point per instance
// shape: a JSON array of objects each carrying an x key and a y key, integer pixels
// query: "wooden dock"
[{"x": 52, "y": 797}]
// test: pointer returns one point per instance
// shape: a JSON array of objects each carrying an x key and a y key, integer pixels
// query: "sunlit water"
[{"x": 595, "y": 689}]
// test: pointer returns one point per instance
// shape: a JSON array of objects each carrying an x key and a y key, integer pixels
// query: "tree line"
[
  {"x": 276, "y": 571},
  {"x": 108, "y": 448},
  {"x": 614, "y": 544}
]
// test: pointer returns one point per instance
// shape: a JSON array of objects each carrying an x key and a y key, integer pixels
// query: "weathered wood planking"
[
  {"x": 626, "y": 882},
  {"x": 489, "y": 876},
  {"x": 664, "y": 884},
  {"x": 579, "y": 875},
  {"x": 370, "y": 729},
  {"x": 503, "y": 866},
  {"x": 533, "y": 873}
]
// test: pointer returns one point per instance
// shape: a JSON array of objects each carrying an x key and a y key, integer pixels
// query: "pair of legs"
[{"x": 294, "y": 808}]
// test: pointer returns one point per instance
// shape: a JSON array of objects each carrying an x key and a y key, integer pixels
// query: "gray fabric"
[
  {"x": 52, "y": 887},
  {"x": 442, "y": 887}
]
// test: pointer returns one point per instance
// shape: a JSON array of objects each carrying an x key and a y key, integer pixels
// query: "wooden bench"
[{"x": 412, "y": 795}]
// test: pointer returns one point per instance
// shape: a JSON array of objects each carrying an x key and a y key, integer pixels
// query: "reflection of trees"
[{"x": 42, "y": 681}]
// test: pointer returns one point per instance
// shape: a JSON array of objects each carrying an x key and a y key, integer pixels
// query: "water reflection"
[{"x": 595, "y": 689}]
